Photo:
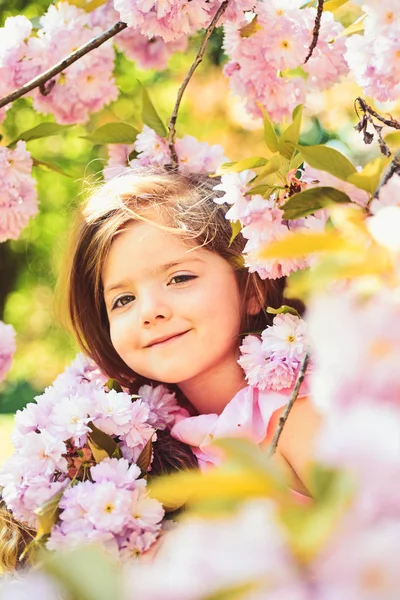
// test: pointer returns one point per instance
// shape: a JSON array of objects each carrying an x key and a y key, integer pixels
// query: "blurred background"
[{"x": 30, "y": 266}]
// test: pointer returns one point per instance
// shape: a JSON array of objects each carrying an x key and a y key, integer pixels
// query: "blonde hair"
[{"x": 14, "y": 538}]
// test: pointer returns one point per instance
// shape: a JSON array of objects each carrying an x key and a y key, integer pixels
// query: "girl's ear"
[{"x": 254, "y": 305}]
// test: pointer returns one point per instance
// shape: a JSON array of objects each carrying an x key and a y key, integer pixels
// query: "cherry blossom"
[
  {"x": 7, "y": 348},
  {"x": 18, "y": 195}
]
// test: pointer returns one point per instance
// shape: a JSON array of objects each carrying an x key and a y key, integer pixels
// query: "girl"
[{"x": 157, "y": 292}]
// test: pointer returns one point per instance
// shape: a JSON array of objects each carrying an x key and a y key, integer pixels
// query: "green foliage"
[
  {"x": 150, "y": 116},
  {"x": 290, "y": 137},
  {"x": 253, "y": 162},
  {"x": 144, "y": 459},
  {"x": 236, "y": 229},
  {"x": 329, "y": 160},
  {"x": 282, "y": 310},
  {"x": 40, "y": 131},
  {"x": 113, "y": 133},
  {"x": 308, "y": 201}
]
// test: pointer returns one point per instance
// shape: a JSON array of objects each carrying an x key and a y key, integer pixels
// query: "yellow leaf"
[
  {"x": 47, "y": 515},
  {"x": 249, "y": 29},
  {"x": 332, "y": 5},
  {"x": 356, "y": 27},
  {"x": 368, "y": 179},
  {"x": 300, "y": 244},
  {"x": 98, "y": 453}
]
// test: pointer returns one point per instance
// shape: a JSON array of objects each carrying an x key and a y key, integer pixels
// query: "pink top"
[{"x": 247, "y": 415}]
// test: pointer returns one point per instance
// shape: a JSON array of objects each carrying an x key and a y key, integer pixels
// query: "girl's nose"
[{"x": 153, "y": 308}]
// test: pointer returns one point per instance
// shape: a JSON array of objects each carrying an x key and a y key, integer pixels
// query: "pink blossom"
[
  {"x": 7, "y": 348},
  {"x": 148, "y": 53},
  {"x": 246, "y": 546},
  {"x": 86, "y": 86},
  {"x": 146, "y": 512},
  {"x": 259, "y": 63},
  {"x": 287, "y": 338},
  {"x": 374, "y": 58},
  {"x": 117, "y": 160},
  {"x": 170, "y": 19},
  {"x": 273, "y": 361},
  {"x": 112, "y": 411},
  {"x": 163, "y": 405},
  {"x": 151, "y": 148},
  {"x": 265, "y": 224},
  {"x": 70, "y": 418},
  {"x": 137, "y": 543},
  {"x": 117, "y": 471},
  {"x": 235, "y": 187},
  {"x": 108, "y": 507},
  {"x": 138, "y": 432},
  {"x": 198, "y": 157},
  {"x": 365, "y": 366},
  {"x": 13, "y": 38},
  {"x": 18, "y": 195}
]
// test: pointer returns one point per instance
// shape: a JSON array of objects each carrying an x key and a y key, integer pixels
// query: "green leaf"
[
  {"x": 282, "y": 310},
  {"x": 150, "y": 116},
  {"x": 252, "y": 162},
  {"x": 273, "y": 166},
  {"x": 47, "y": 166},
  {"x": 144, "y": 460},
  {"x": 308, "y": 201},
  {"x": 102, "y": 444},
  {"x": 112, "y": 384},
  {"x": 260, "y": 189},
  {"x": 290, "y": 137},
  {"x": 40, "y": 131},
  {"x": 328, "y": 159},
  {"x": 270, "y": 136},
  {"x": 87, "y": 573},
  {"x": 236, "y": 229},
  {"x": 47, "y": 515},
  {"x": 113, "y": 133}
]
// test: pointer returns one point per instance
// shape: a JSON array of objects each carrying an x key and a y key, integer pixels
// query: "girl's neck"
[{"x": 212, "y": 391}]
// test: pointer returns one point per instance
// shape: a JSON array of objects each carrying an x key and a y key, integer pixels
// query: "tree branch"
[
  {"x": 368, "y": 115},
  {"x": 316, "y": 30},
  {"x": 43, "y": 78},
  {"x": 197, "y": 61},
  {"x": 289, "y": 406},
  {"x": 392, "y": 169}
]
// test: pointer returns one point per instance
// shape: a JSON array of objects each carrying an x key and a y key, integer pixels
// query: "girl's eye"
[
  {"x": 177, "y": 279},
  {"x": 123, "y": 301}
]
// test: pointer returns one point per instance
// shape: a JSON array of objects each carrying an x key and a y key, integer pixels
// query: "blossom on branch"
[
  {"x": 262, "y": 66},
  {"x": 88, "y": 84}
]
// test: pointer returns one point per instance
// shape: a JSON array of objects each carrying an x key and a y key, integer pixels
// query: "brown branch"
[
  {"x": 316, "y": 30},
  {"x": 43, "y": 78},
  {"x": 289, "y": 406},
  {"x": 197, "y": 61},
  {"x": 392, "y": 169},
  {"x": 368, "y": 116}
]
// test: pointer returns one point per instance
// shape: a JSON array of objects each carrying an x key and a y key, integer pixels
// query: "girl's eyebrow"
[{"x": 159, "y": 269}]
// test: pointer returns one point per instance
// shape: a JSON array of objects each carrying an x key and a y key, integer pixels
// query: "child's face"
[{"x": 174, "y": 310}]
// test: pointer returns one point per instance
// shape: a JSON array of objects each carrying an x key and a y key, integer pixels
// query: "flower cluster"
[
  {"x": 374, "y": 58},
  {"x": 13, "y": 47},
  {"x": 18, "y": 195},
  {"x": 151, "y": 149},
  {"x": 87, "y": 85},
  {"x": 7, "y": 348},
  {"x": 262, "y": 66},
  {"x": 273, "y": 361},
  {"x": 60, "y": 449},
  {"x": 173, "y": 19},
  {"x": 262, "y": 222}
]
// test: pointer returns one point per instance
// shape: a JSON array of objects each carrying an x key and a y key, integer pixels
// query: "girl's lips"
[{"x": 165, "y": 341}]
